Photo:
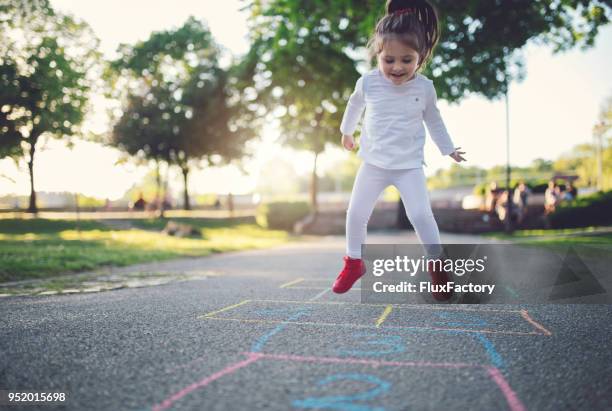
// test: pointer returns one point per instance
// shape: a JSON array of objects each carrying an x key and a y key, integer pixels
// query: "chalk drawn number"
[{"x": 346, "y": 402}]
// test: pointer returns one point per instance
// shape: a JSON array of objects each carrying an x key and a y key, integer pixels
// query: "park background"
[
  {"x": 231, "y": 111},
  {"x": 121, "y": 304}
]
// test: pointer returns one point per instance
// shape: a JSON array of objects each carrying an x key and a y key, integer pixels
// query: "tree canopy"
[
  {"x": 479, "y": 51},
  {"x": 47, "y": 69},
  {"x": 176, "y": 100},
  {"x": 304, "y": 57}
]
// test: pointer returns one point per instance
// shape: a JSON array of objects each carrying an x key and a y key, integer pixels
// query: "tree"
[
  {"x": 176, "y": 101},
  {"x": 542, "y": 166},
  {"x": 304, "y": 53},
  {"x": 303, "y": 82},
  {"x": 47, "y": 63},
  {"x": 592, "y": 162},
  {"x": 220, "y": 126},
  {"x": 456, "y": 175},
  {"x": 481, "y": 40},
  {"x": 143, "y": 129},
  {"x": 603, "y": 153}
]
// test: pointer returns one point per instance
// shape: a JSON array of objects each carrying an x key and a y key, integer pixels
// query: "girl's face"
[{"x": 398, "y": 62}]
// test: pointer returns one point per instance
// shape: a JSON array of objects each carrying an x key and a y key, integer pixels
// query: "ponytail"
[{"x": 413, "y": 21}]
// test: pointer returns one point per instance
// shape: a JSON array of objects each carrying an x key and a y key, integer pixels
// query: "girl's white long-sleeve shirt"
[{"x": 393, "y": 135}]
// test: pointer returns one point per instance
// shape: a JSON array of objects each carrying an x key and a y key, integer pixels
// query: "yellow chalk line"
[
  {"x": 299, "y": 280},
  {"x": 372, "y": 326},
  {"x": 225, "y": 309},
  {"x": 384, "y": 315},
  {"x": 381, "y": 319},
  {"x": 412, "y": 306}
]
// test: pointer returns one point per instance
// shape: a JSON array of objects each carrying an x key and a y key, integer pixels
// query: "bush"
[
  {"x": 585, "y": 211},
  {"x": 91, "y": 202},
  {"x": 281, "y": 215},
  {"x": 539, "y": 187}
]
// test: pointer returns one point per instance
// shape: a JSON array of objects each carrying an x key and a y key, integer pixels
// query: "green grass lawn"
[
  {"x": 38, "y": 248},
  {"x": 565, "y": 236},
  {"x": 593, "y": 243}
]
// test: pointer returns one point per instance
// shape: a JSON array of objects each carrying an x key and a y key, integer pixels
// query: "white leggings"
[{"x": 369, "y": 184}]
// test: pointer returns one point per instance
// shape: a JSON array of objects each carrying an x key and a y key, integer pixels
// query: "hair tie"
[{"x": 410, "y": 10}]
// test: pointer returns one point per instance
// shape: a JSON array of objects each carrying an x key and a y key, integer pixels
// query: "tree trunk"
[
  {"x": 314, "y": 185},
  {"x": 157, "y": 184},
  {"x": 186, "y": 205},
  {"x": 508, "y": 228},
  {"x": 32, "y": 208},
  {"x": 159, "y": 196}
]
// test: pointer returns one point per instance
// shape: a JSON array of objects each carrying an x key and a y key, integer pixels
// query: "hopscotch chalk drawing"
[{"x": 359, "y": 366}]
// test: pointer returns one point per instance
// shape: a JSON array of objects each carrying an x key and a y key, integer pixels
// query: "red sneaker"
[
  {"x": 353, "y": 269},
  {"x": 439, "y": 277}
]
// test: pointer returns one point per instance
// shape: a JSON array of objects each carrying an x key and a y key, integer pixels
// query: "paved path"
[{"x": 265, "y": 332}]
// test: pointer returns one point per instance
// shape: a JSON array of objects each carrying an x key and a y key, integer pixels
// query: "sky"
[{"x": 552, "y": 110}]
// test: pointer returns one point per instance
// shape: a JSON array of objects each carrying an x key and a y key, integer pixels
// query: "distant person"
[
  {"x": 491, "y": 197},
  {"x": 167, "y": 203},
  {"x": 140, "y": 204},
  {"x": 217, "y": 204},
  {"x": 551, "y": 197},
  {"x": 230, "y": 204},
  {"x": 572, "y": 191},
  {"x": 521, "y": 195},
  {"x": 396, "y": 99},
  {"x": 560, "y": 194},
  {"x": 501, "y": 208}
]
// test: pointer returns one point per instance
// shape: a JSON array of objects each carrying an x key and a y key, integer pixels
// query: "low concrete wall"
[{"x": 454, "y": 220}]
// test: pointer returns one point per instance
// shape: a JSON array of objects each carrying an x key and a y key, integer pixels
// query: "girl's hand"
[
  {"x": 456, "y": 155},
  {"x": 348, "y": 142}
]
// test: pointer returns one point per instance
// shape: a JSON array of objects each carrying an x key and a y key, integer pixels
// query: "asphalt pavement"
[{"x": 264, "y": 331}]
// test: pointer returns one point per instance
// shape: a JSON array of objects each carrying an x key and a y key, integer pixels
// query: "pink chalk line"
[
  {"x": 512, "y": 399},
  {"x": 167, "y": 403}
]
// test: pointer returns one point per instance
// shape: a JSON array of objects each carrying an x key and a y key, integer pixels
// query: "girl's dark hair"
[{"x": 413, "y": 22}]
